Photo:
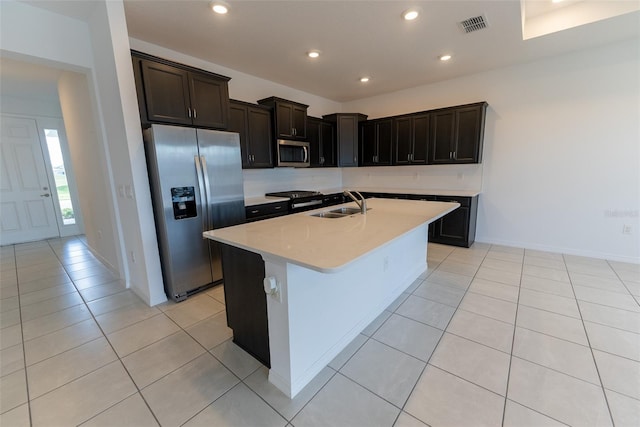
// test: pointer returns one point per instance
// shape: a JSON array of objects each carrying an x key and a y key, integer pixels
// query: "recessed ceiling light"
[
  {"x": 410, "y": 15},
  {"x": 219, "y": 7},
  {"x": 364, "y": 79},
  {"x": 313, "y": 53},
  {"x": 444, "y": 57}
]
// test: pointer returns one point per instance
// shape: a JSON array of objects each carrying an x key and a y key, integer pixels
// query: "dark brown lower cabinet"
[
  {"x": 457, "y": 228},
  {"x": 246, "y": 302}
]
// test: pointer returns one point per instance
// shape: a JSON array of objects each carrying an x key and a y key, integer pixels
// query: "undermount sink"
[
  {"x": 338, "y": 213},
  {"x": 347, "y": 211},
  {"x": 329, "y": 215}
]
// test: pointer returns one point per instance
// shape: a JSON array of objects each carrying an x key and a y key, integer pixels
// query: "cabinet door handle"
[
  {"x": 355, "y": 160},
  {"x": 450, "y": 155},
  {"x": 293, "y": 131},
  {"x": 278, "y": 207},
  {"x": 454, "y": 155},
  {"x": 408, "y": 157},
  {"x": 255, "y": 211},
  {"x": 195, "y": 114},
  {"x": 189, "y": 112},
  {"x": 249, "y": 158}
]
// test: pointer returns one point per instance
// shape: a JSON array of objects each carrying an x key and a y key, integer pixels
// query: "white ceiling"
[{"x": 269, "y": 39}]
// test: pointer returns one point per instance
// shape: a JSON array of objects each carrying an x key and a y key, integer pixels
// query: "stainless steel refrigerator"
[{"x": 196, "y": 185}]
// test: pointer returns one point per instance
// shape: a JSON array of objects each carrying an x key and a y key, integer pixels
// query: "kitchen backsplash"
[
  {"x": 257, "y": 182},
  {"x": 431, "y": 177}
]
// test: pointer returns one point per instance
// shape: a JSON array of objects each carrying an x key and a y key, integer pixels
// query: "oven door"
[{"x": 293, "y": 153}]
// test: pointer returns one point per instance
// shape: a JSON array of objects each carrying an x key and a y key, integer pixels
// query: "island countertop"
[{"x": 329, "y": 245}]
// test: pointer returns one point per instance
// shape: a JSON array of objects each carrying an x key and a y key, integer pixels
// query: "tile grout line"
[
  {"x": 623, "y": 283},
  {"x": 241, "y": 380},
  {"x": 337, "y": 371},
  {"x": 513, "y": 341},
  {"x": 24, "y": 355},
  {"x": 114, "y": 351},
  {"x": 593, "y": 357},
  {"x": 435, "y": 348}
]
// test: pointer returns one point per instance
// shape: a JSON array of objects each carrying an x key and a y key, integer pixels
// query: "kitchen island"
[{"x": 328, "y": 278}]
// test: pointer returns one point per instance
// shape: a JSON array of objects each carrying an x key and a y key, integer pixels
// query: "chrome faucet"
[{"x": 362, "y": 204}]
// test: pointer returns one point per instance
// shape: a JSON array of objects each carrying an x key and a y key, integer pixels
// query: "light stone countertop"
[{"x": 329, "y": 245}]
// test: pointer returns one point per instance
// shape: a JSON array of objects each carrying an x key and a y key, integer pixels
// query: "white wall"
[
  {"x": 43, "y": 36},
  {"x": 88, "y": 159},
  {"x": 562, "y": 154},
  {"x": 27, "y": 106},
  {"x": 118, "y": 109},
  {"x": 100, "y": 49}
]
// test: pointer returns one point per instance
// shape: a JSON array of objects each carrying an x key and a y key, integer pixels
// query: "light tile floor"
[{"x": 489, "y": 336}]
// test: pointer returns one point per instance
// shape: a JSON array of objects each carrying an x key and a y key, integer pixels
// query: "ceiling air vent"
[{"x": 474, "y": 24}]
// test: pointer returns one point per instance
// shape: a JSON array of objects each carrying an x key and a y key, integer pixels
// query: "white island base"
[
  {"x": 333, "y": 276},
  {"x": 315, "y": 315}
]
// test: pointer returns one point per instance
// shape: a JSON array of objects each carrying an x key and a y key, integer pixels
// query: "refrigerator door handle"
[
  {"x": 205, "y": 173},
  {"x": 203, "y": 200}
]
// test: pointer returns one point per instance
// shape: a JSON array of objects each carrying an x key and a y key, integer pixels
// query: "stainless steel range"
[{"x": 300, "y": 200}]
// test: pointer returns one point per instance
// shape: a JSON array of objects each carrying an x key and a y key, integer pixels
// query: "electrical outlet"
[{"x": 626, "y": 229}]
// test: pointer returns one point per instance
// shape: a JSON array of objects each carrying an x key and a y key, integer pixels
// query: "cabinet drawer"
[{"x": 268, "y": 210}]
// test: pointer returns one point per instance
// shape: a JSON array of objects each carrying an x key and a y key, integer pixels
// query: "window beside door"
[{"x": 60, "y": 176}]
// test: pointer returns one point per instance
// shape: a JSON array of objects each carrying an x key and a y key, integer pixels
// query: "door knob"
[{"x": 44, "y": 195}]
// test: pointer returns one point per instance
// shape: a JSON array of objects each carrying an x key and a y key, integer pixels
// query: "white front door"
[{"x": 26, "y": 206}]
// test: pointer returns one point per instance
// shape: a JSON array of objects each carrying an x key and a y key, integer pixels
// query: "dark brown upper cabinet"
[
  {"x": 322, "y": 142},
  {"x": 253, "y": 123},
  {"x": 289, "y": 118},
  {"x": 376, "y": 142},
  {"x": 411, "y": 139},
  {"x": 457, "y": 134},
  {"x": 346, "y": 131},
  {"x": 177, "y": 94}
]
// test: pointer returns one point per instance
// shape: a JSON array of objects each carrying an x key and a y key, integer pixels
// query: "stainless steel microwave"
[{"x": 293, "y": 153}]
